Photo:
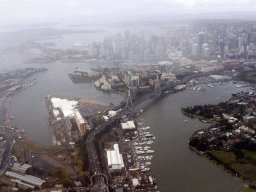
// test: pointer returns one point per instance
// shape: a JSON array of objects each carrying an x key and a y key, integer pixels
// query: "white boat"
[
  {"x": 140, "y": 152},
  {"x": 135, "y": 143},
  {"x": 217, "y": 97},
  {"x": 149, "y": 157},
  {"x": 150, "y": 142},
  {"x": 148, "y": 163},
  {"x": 146, "y": 148},
  {"x": 150, "y": 151},
  {"x": 143, "y": 143}
]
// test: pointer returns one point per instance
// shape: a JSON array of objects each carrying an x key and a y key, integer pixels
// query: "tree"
[
  {"x": 193, "y": 142},
  {"x": 201, "y": 147}
]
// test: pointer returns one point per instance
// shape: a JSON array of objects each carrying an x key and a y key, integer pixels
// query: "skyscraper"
[
  {"x": 200, "y": 41},
  {"x": 127, "y": 34}
]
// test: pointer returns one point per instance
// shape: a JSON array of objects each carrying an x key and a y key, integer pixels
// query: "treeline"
[{"x": 207, "y": 111}]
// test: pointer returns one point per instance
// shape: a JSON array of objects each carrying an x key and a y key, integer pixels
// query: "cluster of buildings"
[
  {"x": 20, "y": 177},
  {"x": 237, "y": 127},
  {"x": 196, "y": 41},
  {"x": 125, "y": 164}
]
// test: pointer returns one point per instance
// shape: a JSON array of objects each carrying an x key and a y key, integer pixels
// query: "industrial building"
[
  {"x": 128, "y": 125},
  {"x": 65, "y": 105},
  {"x": 112, "y": 113},
  {"x": 115, "y": 159},
  {"x": 81, "y": 124},
  {"x": 25, "y": 180},
  {"x": 21, "y": 168}
]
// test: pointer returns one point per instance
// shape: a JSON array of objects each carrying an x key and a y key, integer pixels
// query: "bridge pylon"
[{"x": 129, "y": 100}]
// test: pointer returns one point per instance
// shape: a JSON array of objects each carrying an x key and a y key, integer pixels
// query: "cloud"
[{"x": 35, "y": 9}]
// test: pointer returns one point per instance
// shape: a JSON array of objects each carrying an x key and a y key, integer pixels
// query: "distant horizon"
[{"x": 110, "y": 18}]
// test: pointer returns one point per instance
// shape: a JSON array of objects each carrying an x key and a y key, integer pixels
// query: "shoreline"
[{"x": 221, "y": 167}]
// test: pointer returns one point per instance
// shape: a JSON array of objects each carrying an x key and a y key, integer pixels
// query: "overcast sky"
[{"x": 26, "y": 10}]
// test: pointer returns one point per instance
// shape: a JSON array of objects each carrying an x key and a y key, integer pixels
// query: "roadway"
[{"x": 6, "y": 155}]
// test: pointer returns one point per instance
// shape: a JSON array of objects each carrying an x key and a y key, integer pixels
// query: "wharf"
[{"x": 50, "y": 124}]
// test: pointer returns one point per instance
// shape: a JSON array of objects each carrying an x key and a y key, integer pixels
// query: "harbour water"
[
  {"x": 175, "y": 166},
  {"x": 29, "y": 107}
]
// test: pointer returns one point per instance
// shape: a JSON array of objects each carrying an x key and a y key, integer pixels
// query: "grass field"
[
  {"x": 250, "y": 154},
  {"x": 225, "y": 157},
  {"x": 245, "y": 170},
  {"x": 246, "y": 190}
]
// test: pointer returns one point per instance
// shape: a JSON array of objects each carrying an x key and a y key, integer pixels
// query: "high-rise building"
[
  {"x": 207, "y": 52},
  {"x": 195, "y": 48},
  {"x": 200, "y": 40},
  {"x": 126, "y": 34},
  {"x": 204, "y": 46}
]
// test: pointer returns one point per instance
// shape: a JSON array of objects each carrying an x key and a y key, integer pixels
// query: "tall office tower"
[
  {"x": 207, "y": 52},
  {"x": 200, "y": 41},
  {"x": 126, "y": 34},
  {"x": 195, "y": 48},
  {"x": 240, "y": 42},
  {"x": 222, "y": 44},
  {"x": 204, "y": 46}
]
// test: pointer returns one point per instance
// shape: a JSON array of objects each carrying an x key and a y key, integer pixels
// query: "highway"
[{"x": 6, "y": 156}]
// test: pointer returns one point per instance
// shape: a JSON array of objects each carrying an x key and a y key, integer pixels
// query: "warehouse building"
[
  {"x": 26, "y": 180},
  {"x": 128, "y": 125},
  {"x": 65, "y": 105},
  {"x": 21, "y": 168},
  {"x": 115, "y": 159}
]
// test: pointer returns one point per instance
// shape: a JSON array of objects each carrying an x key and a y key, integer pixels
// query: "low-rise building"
[
  {"x": 128, "y": 125},
  {"x": 248, "y": 119},
  {"x": 115, "y": 159}
]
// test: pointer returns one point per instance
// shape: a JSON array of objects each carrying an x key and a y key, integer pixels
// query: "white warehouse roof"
[
  {"x": 111, "y": 113},
  {"x": 128, "y": 125},
  {"x": 65, "y": 105},
  {"x": 115, "y": 159}
]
